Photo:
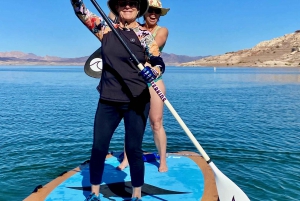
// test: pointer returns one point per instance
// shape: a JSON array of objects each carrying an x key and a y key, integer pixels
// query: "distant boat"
[{"x": 215, "y": 69}]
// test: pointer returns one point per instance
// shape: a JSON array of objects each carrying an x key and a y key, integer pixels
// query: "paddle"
[{"x": 227, "y": 190}]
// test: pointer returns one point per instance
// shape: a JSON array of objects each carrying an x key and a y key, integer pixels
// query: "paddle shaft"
[{"x": 154, "y": 86}]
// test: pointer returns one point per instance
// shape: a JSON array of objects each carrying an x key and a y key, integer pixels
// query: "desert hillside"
[{"x": 279, "y": 52}]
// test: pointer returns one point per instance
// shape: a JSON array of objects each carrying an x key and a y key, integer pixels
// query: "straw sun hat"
[
  {"x": 144, "y": 4},
  {"x": 158, "y": 4}
]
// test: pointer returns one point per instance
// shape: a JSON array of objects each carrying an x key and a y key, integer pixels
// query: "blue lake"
[{"x": 246, "y": 119}]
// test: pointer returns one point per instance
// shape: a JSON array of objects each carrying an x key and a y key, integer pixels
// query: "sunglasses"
[
  {"x": 155, "y": 10},
  {"x": 129, "y": 3}
]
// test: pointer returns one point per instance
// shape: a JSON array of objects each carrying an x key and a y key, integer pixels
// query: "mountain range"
[
  {"x": 282, "y": 51},
  {"x": 21, "y": 58}
]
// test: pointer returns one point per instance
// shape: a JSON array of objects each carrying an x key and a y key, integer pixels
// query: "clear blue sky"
[{"x": 196, "y": 27}]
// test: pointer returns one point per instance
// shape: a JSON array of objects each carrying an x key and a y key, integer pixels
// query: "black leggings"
[{"x": 107, "y": 119}]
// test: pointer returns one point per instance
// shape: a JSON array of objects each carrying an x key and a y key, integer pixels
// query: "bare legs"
[
  {"x": 156, "y": 122},
  {"x": 124, "y": 163}
]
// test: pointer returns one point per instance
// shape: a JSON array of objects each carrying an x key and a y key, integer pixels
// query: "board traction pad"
[{"x": 183, "y": 181}]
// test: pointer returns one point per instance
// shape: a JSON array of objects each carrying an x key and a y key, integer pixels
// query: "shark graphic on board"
[{"x": 123, "y": 189}]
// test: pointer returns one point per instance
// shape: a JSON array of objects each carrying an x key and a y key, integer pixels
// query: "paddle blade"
[{"x": 227, "y": 190}]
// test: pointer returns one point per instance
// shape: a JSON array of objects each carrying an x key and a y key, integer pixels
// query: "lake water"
[{"x": 246, "y": 119}]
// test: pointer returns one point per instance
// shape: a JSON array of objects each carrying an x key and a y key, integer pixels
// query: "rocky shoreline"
[{"x": 278, "y": 52}]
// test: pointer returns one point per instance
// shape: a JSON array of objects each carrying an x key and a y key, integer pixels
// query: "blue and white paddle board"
[{"x": 189, "y": 178}]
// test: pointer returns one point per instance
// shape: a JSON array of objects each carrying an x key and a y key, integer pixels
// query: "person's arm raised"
[
  {"x": 161, "y": 36},
  {"x": 93, "y": 22}
]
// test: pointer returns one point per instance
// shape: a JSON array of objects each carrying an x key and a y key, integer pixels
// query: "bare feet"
[
  {"x": 163, "y": 166},
  {"x": 123, "y": 165}
]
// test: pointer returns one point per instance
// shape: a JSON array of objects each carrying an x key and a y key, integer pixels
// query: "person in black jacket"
[{"x": 124, "y": 93}]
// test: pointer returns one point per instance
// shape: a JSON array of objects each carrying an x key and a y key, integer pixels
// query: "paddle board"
[{"x": 189, "y": 178}]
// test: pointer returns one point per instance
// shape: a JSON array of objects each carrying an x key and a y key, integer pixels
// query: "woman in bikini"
[{"x": 160, "y": 34}]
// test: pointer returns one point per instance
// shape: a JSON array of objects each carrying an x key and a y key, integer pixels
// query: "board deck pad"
[{"x": 183, "y": 181}]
